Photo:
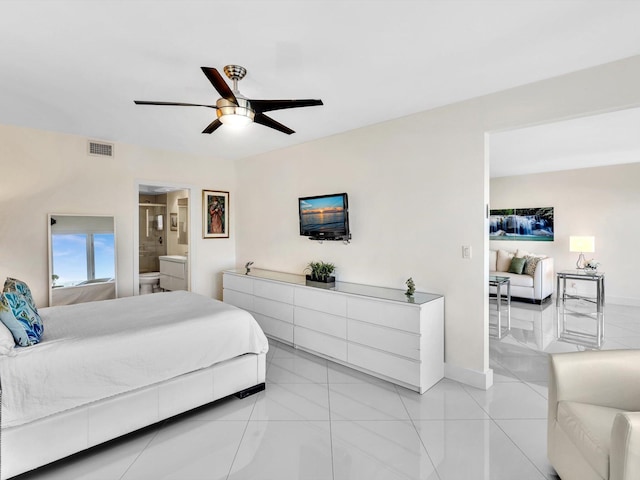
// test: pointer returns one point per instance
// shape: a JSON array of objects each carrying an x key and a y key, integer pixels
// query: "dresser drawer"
[
  {"x": 388, "y": 339},
  {"x": 238, "y": 299},
  {"x": 278, "y": 310},
  {"x": 319, "y": 342},
  {"x": 238, "y": 283},
  {"x": 327, "y": 302},
  {"x": 402, "y": 369},
  {"x": 384, "y": 313},
  {"x": 273, "y": 291},
  {"x": 282, "y": 331},
  {"x": 321, "y": 322}
]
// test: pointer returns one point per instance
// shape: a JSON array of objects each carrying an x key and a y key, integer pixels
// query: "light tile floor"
[{"x": 318, "y": 420}]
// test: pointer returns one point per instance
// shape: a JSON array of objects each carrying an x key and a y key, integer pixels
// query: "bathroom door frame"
[{"x": 192, "y": 231}]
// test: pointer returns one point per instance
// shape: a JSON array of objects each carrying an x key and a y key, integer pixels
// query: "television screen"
[{"x": 324, "y": 216}]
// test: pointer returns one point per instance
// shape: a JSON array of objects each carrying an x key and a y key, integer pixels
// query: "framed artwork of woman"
[{"x": 215, "y": 214}]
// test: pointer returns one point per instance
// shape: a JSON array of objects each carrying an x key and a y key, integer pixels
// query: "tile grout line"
[
  {"x": 141, "y": 451},
  {"x": 242, "y": 437},
  {"x": 418, "y": 433},
  {"x": 333, "y": 468},
  {"x": 505, "y": 433},
  {"x": 544, "y": 476}
]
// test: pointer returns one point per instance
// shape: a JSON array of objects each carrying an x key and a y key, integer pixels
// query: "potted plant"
[{"x": 320, "y": 272}]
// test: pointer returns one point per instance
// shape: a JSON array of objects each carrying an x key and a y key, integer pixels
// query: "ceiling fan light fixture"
[
  {"x": 234, "y": 108},
  {"x": 235, "y": 119},
  {"x": 235, "y": 115}
]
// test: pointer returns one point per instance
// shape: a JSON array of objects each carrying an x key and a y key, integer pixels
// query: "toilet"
[{"x": 149, "y": 282}]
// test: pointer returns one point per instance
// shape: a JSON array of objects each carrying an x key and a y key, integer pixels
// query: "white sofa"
[
  {"x": 537, "y": 287},
  {"x": 593, "y": 430}
]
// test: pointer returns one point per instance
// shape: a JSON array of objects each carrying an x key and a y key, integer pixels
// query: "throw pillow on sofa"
[
  {"x": 493, "y": 260},
  {"x": 530, "y": 265},
  {"x": 504, "y": 261},
  {"x": 517, "y": 265}
]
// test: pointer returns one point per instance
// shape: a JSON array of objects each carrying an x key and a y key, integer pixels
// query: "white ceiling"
[
  {"x": 77, "y": 66},
  {"x": 606, "y": 139}
]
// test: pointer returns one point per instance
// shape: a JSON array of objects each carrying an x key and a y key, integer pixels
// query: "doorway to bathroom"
[{"x": 164, "y": 237}]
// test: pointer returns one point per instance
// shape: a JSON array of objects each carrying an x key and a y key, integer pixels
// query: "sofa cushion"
[
  {"x": 493, "y": 260},
  {"x": 530, "y": 264},
  {"x": 517, "y": 265},
  {"x": 517, "y": 280},
  {"x": 589, "y": 428},
  {"x": 503, "y": 261}
]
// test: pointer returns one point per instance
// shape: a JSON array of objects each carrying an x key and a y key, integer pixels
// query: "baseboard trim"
[{"x": 473, "y": 378}]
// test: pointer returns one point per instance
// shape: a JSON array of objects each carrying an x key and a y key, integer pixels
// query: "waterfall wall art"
[{"x": 531, "y": 224}]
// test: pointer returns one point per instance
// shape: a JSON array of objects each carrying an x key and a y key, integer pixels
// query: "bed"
[{"x": 104, "y": 369}]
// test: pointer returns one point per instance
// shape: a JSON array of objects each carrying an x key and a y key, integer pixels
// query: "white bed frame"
[{"x": 43, "y": 441}]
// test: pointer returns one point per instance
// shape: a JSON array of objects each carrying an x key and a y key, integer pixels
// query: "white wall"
[
  {"x": 418, "y": 188},
  {"x": 603, "y": 202},
  {"x": 45, "y": 172}
]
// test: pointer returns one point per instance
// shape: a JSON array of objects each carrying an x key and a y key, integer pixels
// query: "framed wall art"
[
  {"x": 532, "y": 224},
  {"x": 215, "y": 214}
]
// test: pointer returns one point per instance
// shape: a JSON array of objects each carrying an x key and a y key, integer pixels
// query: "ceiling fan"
[{"x": 234, "y": 108}]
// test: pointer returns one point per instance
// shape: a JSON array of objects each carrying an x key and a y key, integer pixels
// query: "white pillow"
[
  {"x": 493, "y": 260},
  {"x": 504, "y": 261},
  {"x": 6, "y": 341}
]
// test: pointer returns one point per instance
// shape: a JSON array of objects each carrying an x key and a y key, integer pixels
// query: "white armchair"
[{"x": 594, "y": 415}]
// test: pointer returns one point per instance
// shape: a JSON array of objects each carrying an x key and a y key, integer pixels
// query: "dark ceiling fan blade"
[
  {"x": 262, "y": 119},
  {"x": 219, "y": 84},
  {"x": 268, "y": 105},
  {"x": 143, "y": 102},
  {"x": 212, "y": 126}
]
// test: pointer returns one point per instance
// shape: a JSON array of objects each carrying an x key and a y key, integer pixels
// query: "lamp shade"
[{"x": 582, "y": 244}]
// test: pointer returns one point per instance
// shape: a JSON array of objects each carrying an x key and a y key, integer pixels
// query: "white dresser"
[{"x": 373, "y": 329}]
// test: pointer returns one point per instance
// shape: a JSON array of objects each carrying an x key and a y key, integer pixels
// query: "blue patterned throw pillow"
[
  {"x": 15, "y": 285},
  {"x": 20, "y": 318}
]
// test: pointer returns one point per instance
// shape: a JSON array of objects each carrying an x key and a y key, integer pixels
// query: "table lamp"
[{"x": 582, "y": 245}]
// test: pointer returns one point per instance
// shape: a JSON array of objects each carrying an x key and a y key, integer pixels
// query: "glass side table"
[
  {"x": 576, "y": 336},
  {"x": 500, "y": 282}
]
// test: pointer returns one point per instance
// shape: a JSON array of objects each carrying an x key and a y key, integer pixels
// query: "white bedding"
[{"x": 92, "y": 351}]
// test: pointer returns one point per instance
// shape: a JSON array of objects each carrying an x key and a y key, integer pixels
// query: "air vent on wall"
[{"x": 100, "y": 149}]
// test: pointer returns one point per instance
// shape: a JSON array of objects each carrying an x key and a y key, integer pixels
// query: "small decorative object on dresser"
[
  {"x": 320, "y": 272},
  {"x": 411, "y": 287},
  {"x": 247, "y": 266}
]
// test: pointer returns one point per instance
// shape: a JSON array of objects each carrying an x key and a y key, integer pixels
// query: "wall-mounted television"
[{"x": 325, "y": 217}]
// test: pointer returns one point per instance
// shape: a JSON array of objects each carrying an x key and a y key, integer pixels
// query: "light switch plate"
[{"x": 466, "y": 251}]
